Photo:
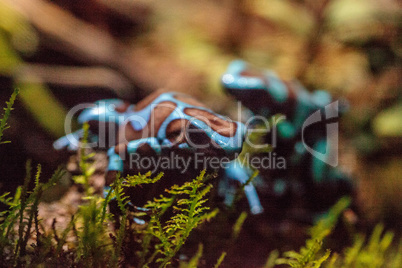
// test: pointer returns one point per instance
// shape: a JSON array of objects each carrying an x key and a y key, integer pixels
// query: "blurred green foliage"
[
  {"x": 388, "y": 123},
  {"x": 309, "y": 256},
  {"x": 18, "y": 37}
]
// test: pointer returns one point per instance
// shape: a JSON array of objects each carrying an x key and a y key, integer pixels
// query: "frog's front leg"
[
  {"x": 117, "y": 155},
  {"x": 71, "y": 141},
  {"x": 235, "y": 171},
  {"x": 124, "y": 153}
]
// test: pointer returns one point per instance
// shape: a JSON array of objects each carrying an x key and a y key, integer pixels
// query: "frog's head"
[{"x": 181, "y": 122}]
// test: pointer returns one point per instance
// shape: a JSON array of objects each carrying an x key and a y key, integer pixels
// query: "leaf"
[
  {"x": 220, "y": 260},
  {"x": 317, "y": 263}
]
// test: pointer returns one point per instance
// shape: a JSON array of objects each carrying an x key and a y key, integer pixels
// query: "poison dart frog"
[{"x": 160, "y": 124}]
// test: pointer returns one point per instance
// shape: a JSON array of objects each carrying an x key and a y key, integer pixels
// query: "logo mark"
[{"x": 331, "y": 149}]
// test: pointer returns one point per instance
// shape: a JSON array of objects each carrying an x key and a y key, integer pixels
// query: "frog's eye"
[
  {"x": 197, "y": 137},
  {"x": 175, "y": 131}
]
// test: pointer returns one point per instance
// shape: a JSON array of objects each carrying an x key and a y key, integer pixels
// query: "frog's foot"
[
  {"x": 107, "y": 110},
  {"x": 236, "y": 172},
  {"x": 131, "y": 206},
  {"x": 71, "y": 142},
  {"x": 130, "y": 155}
]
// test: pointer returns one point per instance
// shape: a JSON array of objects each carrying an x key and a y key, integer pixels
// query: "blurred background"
[{"x": 63, "y": 52}]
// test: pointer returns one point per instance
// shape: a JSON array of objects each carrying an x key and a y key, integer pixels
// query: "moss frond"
[{"x": 7, "y": 112}]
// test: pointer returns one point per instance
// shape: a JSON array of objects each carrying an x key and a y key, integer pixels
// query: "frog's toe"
[
  {"x": 69, "y": 142},
  {"x": 144, "y": 147},
  {"x": 115, "y": 161},
  {"x": 236, "y": 172},
  {"x": 108, "y": 110}
]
